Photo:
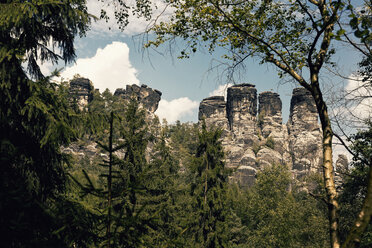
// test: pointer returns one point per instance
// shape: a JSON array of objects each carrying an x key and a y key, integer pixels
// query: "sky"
[{"x": 112, "y": 59}]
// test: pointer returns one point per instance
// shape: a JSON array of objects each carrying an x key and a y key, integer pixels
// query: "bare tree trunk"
[{"x": 328, "y": 173}]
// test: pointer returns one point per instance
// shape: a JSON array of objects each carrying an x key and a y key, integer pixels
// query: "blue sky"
[{"x": 112, "y": 59}]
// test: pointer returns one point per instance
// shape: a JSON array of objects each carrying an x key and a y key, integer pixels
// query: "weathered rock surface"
[
  {"x": 81, "y": 91},
  {"x": 241, "y": 108},
  {"x": 342, "y": 169},
  {"x": 145, "y": 95},
  {"x": 213, "y": 111},
  {"x": 269, "y": 113},
  {"x": 305, "y": 137},
  {"x": 342, "y": 163},
  {"x": 253, "y": 142}
]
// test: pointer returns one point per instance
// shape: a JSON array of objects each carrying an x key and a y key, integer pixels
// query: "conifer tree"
[
  {"x": 161, "y": 184},
  {"x": 208, "y": 192},
  {"x": 33, "y": 118}
]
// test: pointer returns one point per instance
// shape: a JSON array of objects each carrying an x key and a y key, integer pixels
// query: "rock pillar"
[
  {"x": 81, "y": 91},
  {"x": 213, "y": 110},
  {"x": 305, "y": 137},
  {"x": 269, "y": 113},
  {"x": 242, "y": 108},
  {"x": 146, "y": 96}
]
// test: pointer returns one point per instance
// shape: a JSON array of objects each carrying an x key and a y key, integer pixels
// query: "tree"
[
  {"x": 33, "y": 118},
  {"x": 162, "y": 183},
  {"x": 357, "y": 185},
  {"x": 208, "y": 192},
  {"x": 296, "y": 37},
  {"x": 273, "y": 216}
]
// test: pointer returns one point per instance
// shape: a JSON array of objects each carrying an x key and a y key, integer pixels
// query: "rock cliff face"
[
  {"x": 304, "y": 133},
  {"x": 81, "y": 91},
  {"x": 213, "y": 110},
  {"x": 254, "y": 135},
  {"x": 147, "y": 97},
  {"x": 255, "y": 139}
]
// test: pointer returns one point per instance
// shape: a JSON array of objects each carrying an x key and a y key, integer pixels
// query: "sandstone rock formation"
[
  {"x": 304, "y": 132},
  {"x": 254, "y": 135},
  {"x": 147, "y": 97},
  {"x": 241, "y": 109},
  {"x": 342, "y": 164},
  {"x": 254, "y": 141},
  {"x": 81, "y": 89},
  {"x": 81, "y": 92},
  {"x": 213, "y": 111},
  {"x": 269, "y": 113}
]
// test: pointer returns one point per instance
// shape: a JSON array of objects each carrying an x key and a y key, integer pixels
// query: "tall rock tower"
[
  {"x": 305, "y": 137},
  {"x": 253, "y": 141},
  {"x": 81, "y": 92},
  {"x": 213, "y": 111},
  {"x": 241, "y": 109}
]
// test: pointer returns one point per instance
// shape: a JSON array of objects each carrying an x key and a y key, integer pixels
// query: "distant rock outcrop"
[
  {"x": 81, "y": 91},
  {"x": 254, "y": 140},
  {"x": 145, "y": 95},
  {"x": 213, "y": 110},
  {"x": 254, "y": 135},
  {"x": 305, "y": 137}
]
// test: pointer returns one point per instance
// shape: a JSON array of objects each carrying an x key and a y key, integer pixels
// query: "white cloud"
[
  {"x": 46, "y": 67},
  {"x": 136, "y": 24},
  {"x": 221, "y": 90},
  {"x": 359, "y": 98},
  {"x": 176, "y": 109},
  {"x": 109, "y": 68}
]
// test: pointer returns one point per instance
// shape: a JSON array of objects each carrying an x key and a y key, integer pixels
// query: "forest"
[{"x": 166, "y": 185}]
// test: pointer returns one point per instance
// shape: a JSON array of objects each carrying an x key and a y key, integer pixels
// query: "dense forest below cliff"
[{"x": 132, "y": 181}]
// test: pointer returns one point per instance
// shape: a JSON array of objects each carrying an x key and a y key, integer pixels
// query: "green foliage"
[
  {"x": 35, "y": 120},
  {"x": 355, "y": 185},
  {"x": 273, "y": 216},
  {"x": 276, "y": 32},
  {"x": 183, "y": 140},
  {"x": 270, "y": 142},
  {"x": 161, "y": 181},
  {"x": 208, "y": 192},
  {"x": 27, "y": 29},
  {"x": 366, "y": 70},
  {"x": 361, "y": 21}
]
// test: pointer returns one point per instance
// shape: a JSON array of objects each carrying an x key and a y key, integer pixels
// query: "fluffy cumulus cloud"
[
  {"x": 176, "y": 109},
  {"x": 221, "y": 90},
  {"x": 136, "y": 24},
  {"x": 109, "y": 68},
  {"x": 359, "y": 97}
]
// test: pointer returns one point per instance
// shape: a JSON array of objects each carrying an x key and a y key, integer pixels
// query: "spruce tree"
[
  {"x": 208, "y": 192},
  {"x": 161, "y": 183},
  {"x": 34, "y": 120}
]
